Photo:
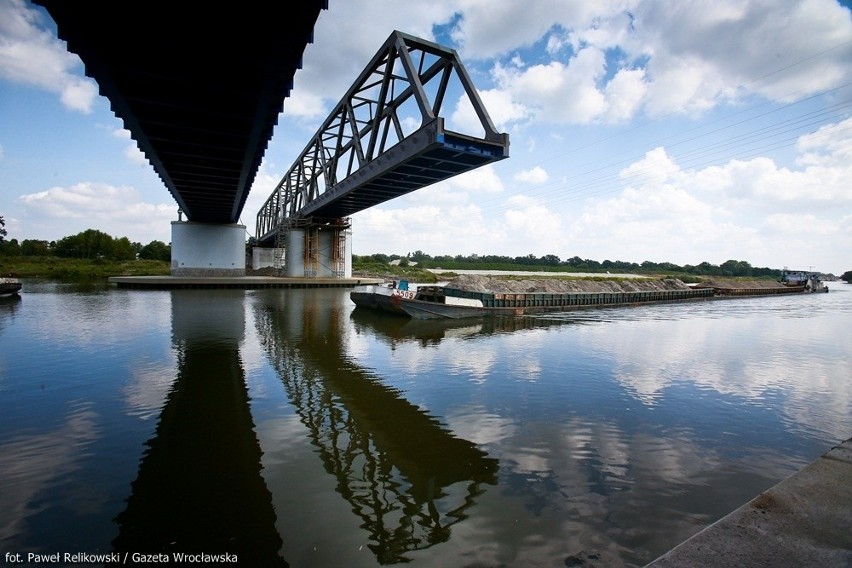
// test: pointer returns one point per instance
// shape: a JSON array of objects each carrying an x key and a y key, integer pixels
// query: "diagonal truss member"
[{"x": 385, "y": 138}]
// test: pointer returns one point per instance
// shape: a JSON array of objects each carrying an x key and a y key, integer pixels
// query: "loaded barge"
[
  {"x": 433, "y": 302},
  {"x": 430, "y": 302}
]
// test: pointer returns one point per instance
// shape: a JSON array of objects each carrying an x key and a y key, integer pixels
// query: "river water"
[{"x": 283, "y": 426}]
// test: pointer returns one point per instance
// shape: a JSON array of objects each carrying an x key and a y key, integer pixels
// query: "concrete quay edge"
[
  {"x": 235, "y": 282},
  {"x": 805, "y": 520}
]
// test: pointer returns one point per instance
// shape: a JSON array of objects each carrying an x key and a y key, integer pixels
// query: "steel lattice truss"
[{"x": 385, "y": 138}]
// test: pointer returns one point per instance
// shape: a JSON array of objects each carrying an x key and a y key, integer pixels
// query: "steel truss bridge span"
[{"x": 385, "y": 138}]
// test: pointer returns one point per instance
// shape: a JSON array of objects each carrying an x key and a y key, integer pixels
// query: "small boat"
[
  {"x": 9, "y": 286},
  {"x": 431, "y": 302}
]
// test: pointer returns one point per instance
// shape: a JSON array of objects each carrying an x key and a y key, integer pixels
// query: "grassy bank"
[
  {"x": 366, "y": 269},
  {"x": 77, "y": 269}
]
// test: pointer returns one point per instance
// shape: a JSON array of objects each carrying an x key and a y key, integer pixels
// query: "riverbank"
[
  {"x": 802, "y": 521},
  {"x": 523, "y": 285},
  {"x": 76, "y": 269}
]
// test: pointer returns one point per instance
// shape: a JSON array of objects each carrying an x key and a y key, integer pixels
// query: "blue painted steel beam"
[{"x": 429, "y": 156}]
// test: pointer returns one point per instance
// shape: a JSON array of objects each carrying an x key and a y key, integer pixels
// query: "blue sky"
[{"x": 640, "y": 130}]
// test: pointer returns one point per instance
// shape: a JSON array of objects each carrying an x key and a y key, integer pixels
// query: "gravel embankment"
[{"x": 480, "y": 283}]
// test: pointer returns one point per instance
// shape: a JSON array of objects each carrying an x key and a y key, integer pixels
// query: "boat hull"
[
  {"x": 405, "y": 303},
  {"x": 9, "y": 286},
  {"x": 374, "y": 301}
]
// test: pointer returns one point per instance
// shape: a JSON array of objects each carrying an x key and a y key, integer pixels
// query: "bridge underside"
[
  {"x": 199, "y": 90},
  {"x": 426, "y": 157}
]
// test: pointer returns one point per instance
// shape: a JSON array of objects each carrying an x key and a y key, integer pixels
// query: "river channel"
[{"x": 286, "y": 427}]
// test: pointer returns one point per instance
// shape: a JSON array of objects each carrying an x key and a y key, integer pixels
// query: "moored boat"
[{"x": 9, "y": 286}]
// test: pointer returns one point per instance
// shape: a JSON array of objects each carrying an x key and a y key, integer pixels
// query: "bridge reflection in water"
[
  {"x": 403, "y": 473},
  {"x": 199, "y": 487}
]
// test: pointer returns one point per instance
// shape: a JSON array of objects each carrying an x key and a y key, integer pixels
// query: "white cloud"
[
  {"x": 265, "y": 182},
  {"x": 131, "y": 151},
  {"x": 479, "y": 181},
  {"x": 534, "y": 175},
  {"x": 117, "y": 211},
  {"x": 346, "y": 37},
  {"x": 744, "y": 209},
  {"x": 135, "y": 155},
  {"x": 488, "y": 29},
  {"x": 735, "y": 43},
  {"x": 595, "y": 62},
  {"x": 499, "y": 104},
  {"x": 829, "y": 146},
  {"x": 558, "y": 92},
  {"x": 683, "y": 58},
  {"x": 424, "y": 227},
  {"x": 625, "y": 94},
  {"x": 305, "y": 104},
  {"x": 32, "y": 56},
  {"x": 532, "y": 223}
]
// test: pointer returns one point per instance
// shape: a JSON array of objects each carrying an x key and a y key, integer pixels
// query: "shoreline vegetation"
[
  {"x": 92, "y": 256},
  {"x": 79, "y": 269},
  {"x": 90, "y": 270}
]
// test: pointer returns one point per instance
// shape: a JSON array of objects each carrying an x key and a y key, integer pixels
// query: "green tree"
[
  {"x": 847, "y": 276},
  {"x": 122, "y": 249},
  {"x": 10, "y": 248},
  {"x": 91, "y": 243},
  {"x": 735, "y": 268},
  {"x": 156, "y": 250},
  {"x": 32, "y": 247},
  {"x": 2, "y": 229}
]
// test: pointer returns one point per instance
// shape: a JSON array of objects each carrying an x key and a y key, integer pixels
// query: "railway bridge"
[{"x": 385, "y": 138}]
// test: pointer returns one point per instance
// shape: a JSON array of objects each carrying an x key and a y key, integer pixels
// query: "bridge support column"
[
  {"x": 267, "y": 258},
  {"x": 322, "y": 251},
  {"x": 206, "y": 249}
]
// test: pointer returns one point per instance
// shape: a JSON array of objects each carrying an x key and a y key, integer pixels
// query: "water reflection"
[
  {"x": 395, "y": 330},
  {"x": 406, "y": 476},
  {"x": 199, "y": 488},
  {"x": 8, "y": 308},
  {"x": 34, "y": 463}
]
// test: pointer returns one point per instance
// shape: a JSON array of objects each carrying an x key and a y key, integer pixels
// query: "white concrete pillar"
[
  {"x": 347, "y": 257},
  {"x": 207, "y": 249},
  {"x": 295, "y": 247}
]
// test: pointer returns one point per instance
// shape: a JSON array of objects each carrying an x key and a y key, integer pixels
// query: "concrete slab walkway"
[
  {"x": 804, "y": 521},
  {"x": 242, "y": 282}
]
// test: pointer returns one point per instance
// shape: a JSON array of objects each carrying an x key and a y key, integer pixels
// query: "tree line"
[
  {"x": 551, "y": 262},
  {"x": 88, "y": 244}
]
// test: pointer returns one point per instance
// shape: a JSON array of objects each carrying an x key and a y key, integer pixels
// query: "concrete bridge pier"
[
  {"x": 323, "y": 251},
  {"x": 208, "y": 249},
  {"x": 311, "y": 251}
]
